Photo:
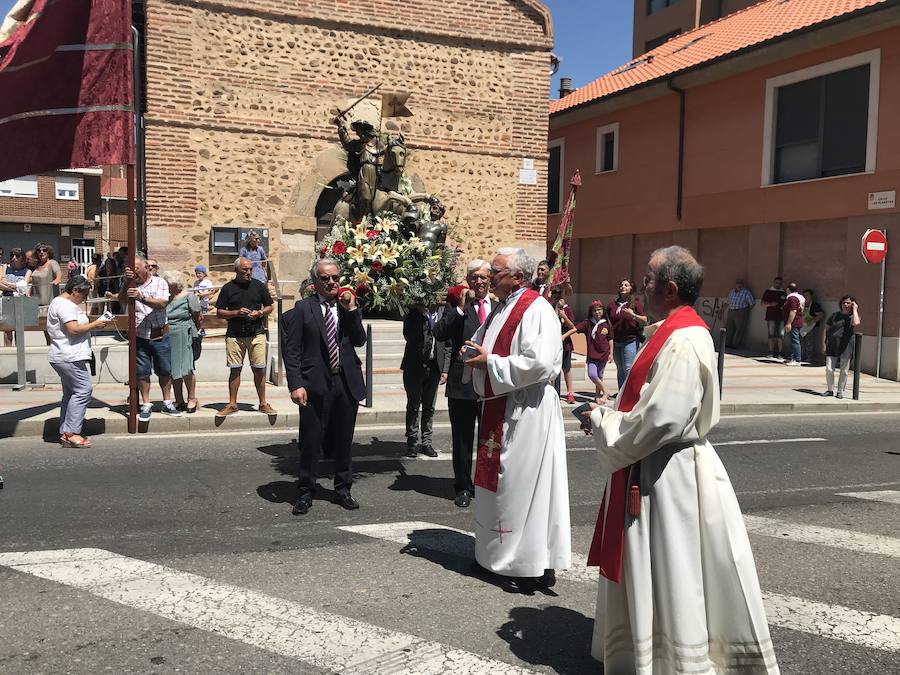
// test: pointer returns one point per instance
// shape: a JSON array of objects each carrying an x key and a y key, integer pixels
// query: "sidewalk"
[{"x": 753, "y": 385}]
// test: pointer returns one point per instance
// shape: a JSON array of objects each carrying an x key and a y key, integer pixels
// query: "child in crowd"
[{"x": 599, "y": 345}]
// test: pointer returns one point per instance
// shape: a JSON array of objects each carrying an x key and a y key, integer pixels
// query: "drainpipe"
[{"x": 680, "y": 198}]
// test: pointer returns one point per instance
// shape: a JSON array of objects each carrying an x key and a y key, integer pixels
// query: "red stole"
[
  {"x": 490, "y": 436},
  {"x": 609, "y": 534}
]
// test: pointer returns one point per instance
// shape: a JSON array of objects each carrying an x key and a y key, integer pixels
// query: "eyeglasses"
[
  {"x": 495, "y": 271},
  {"x": 156, "y": 267},
  {"x": 325, "y": 278},
  {"x": 15, "y": 255}
]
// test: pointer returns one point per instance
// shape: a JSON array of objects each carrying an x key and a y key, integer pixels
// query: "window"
[
  {"x": 608, "y": 148},
  {"x": 822, "y": 121},
  {"x": 654, "y": 6},
  {"x": 555, "y": 165},
  {"x": 66, "y": 187},
  {"x": 26, "y": 186},
  {"x": 650, "y": 45}
]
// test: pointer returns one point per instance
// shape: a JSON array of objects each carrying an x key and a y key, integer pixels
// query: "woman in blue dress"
[{"x": 256, "y": 254}]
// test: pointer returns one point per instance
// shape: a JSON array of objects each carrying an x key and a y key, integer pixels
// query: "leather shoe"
[
  {"x": 463, "y": 499},
  {"x": 412, "y": 451},
  {"x": 302, "y": 506},
  {"x": 347, "y": 502},
  {"x": 548, "y": 580},
  {"x": 428, "y": 451}
]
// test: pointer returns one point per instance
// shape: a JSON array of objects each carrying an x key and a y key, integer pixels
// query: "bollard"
[
  {"x": 721, "y": 364},
  {"x": 857, "y": 358},
  {"x": 369, "y": 384}
]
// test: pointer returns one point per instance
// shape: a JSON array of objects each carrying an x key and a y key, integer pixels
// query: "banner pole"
[{"x": 132, "y": 327}]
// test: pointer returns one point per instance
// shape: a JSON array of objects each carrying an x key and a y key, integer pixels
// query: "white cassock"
[
  {"x": 523, "y": 528},
  {"x": 689, "y": 601}
]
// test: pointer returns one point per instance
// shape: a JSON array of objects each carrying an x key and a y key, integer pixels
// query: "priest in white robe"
[
  {"x": 678, "y": 591},
  {"x": 521, "y": 485}
]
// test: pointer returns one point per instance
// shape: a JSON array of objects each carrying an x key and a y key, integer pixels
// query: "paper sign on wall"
[
  {"x": 883, "y": 200},
  {"x": 527, "y": 176}
]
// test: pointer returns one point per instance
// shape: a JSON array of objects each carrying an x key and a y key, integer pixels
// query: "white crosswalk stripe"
[
  {"x": 886, "y": 496},
  {"x": 321, "y": 639},
  {"x": 823, "y": 536},
  {"x": 877, "y": 631}
]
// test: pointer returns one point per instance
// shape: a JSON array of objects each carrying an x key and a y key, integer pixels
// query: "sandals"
[{"x": 67, "y": 440}]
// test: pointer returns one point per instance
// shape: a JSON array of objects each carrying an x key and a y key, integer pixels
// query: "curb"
[{"x": 249, "y": 420}]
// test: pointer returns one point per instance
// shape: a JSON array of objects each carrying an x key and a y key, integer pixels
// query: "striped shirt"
[{"x": 740, "y": 299}]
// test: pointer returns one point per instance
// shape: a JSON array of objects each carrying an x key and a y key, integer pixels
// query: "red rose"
[
  {"x": 377, "y": 265},
  {"x": 339, "y": 247},
  {"x": 362, "y": 289},
  {"x": 371, "y": 234},
  {"x": 323, "y": 251}
]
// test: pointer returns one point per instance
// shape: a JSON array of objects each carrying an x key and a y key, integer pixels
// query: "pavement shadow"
[
  {"x": 430, "y": 486},
  {"x": 10, "y": 421},
  {"x": 812, "y": 392},
  {"x": 455, "y": 552},
  {"x": 557, "y": 637}
]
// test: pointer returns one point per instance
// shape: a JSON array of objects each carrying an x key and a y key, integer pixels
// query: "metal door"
[{"x": 83, "y": 253}]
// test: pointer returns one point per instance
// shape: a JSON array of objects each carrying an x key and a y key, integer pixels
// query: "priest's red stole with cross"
[
  {"x": 490, "y": 436},
  {"x": 609, "y": 534}
]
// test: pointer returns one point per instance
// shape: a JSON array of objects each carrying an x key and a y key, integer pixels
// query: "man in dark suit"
[
  {"x": 425, "y": 364},
  {"x": 325, "y": 380},
  {"x": 458, "y": 323}
]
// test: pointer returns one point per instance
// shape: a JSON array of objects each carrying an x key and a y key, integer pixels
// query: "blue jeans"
[
  {"x": 623, "y": 355},
  {"x": 155, "y": 353},
  {"x": 795, "y": 344},
  {"x": 77, "y": 389}
]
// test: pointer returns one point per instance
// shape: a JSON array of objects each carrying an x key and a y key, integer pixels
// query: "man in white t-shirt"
[{"x": 151, "y": 295}]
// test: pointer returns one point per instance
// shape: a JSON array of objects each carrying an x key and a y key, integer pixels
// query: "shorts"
[
  {"x": 237, "y": 348},
  {"x": 567, "y": 360},
  {"x": 154, "y": 356},
  {"x": 776, "y": 329}
]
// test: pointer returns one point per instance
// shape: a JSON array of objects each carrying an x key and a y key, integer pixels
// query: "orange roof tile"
[{"x": 757, "y": 24}]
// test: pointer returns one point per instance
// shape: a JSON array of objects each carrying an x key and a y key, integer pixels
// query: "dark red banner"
[{"x": 66, "y": 87}]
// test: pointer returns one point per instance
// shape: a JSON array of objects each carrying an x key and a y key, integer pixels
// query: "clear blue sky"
[{"x": 592, "y": 36}]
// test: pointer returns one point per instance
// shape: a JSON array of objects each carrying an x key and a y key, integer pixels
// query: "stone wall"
[{"x": 240, "y": 96}]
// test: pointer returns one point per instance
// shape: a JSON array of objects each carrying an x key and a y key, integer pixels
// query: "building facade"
[
  {"x": 658, "y": 21},
  {"x": 60, "y": 209},
  {"x": 767, "y": 157},
  {"x": 240, "y": 97}
]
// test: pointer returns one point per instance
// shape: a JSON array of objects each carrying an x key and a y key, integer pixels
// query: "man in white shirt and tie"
[{"x": 461, "y": 318}]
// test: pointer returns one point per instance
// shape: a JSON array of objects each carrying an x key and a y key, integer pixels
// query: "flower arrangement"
[{"x": 387, "y": 270}]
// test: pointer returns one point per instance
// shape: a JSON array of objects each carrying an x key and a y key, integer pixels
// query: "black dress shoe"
[
  {"x": 347, "y": 502},
  {"x": 463, "y": 499},
  {"x": 412, "y": 451},
  {"x": 302, "y": 506},
  {"x": 478, "y": 569},
  {"x": 548, "y": 580},
  {"x": 428, "y": 451}
]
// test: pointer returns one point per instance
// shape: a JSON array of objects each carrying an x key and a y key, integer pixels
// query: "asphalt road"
[{"x": 207, "y": 571}]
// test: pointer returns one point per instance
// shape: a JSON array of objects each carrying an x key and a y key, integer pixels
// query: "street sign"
[{"x": 874, "y": 246}]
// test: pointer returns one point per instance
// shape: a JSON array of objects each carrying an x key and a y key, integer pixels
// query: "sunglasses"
[
  {"x": 324, "y": 278},
  {"x": 156, "y": 267},
  {"x": 15, "y": 255}
]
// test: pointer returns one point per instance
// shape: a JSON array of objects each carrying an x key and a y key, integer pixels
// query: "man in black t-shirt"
[{"x": 245, "y": 302}]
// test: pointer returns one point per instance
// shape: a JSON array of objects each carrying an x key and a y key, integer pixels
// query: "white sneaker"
[
  {"x": 840, "y": 394},
  {"x": 169, "y": 409},
  {"x": 144, "y": 412},
  {"x": 792, "y": 363}
]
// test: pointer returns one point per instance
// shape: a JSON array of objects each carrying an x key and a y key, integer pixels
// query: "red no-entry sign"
[{"x": 874, "y": 246}]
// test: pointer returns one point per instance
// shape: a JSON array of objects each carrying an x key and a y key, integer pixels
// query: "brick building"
[
  {"x": 767, "y": 142},
  {"x": 240, "y": 96},
  {"x": 61, "y": 209}
]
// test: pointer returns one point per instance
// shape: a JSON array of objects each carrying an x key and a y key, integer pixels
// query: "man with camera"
[
  {"x": 522, "y": 511},
  {"x": 151, "y": 295}
]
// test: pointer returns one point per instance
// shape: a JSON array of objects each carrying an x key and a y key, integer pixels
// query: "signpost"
[{"x": 874, "y": 251}]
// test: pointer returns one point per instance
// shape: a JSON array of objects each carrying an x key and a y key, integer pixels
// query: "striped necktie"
[{"x": 331, "y": 335}]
